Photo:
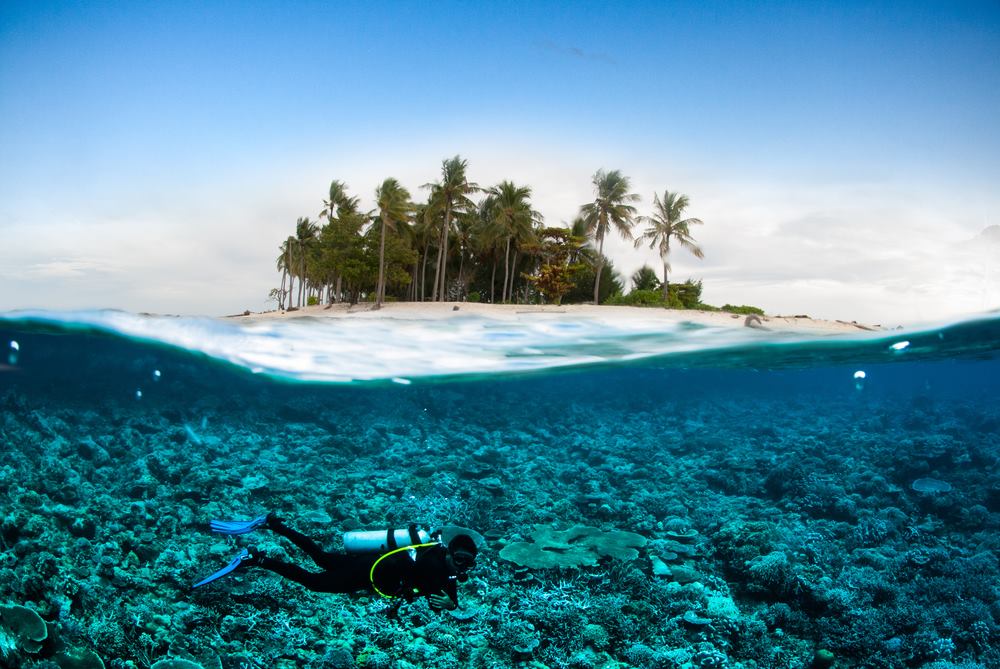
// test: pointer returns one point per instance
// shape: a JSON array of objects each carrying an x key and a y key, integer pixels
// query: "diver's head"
[{"x": 462, "y": 550}]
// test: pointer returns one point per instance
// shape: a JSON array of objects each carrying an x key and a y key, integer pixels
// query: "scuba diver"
[{"x": 394, "y": 563}]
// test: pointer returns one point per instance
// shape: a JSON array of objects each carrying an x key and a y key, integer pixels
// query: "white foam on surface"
[{"x": 348, "y": 349}]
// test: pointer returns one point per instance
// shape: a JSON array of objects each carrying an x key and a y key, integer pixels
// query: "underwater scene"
[{"x": 640, "y": 497}]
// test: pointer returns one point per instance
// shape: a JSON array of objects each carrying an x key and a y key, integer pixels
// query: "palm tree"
[
  {"x": 345, "y": 207},
  {"x": 393, "y": 206},
  {"x": 449, "y": 195},
  {"x": 513, "y": 219},
  {"x": 284, "y": 263},
  {"x": 466, "y": 224},
  {"x": 339, "y": 202},
  {"x": 305, "y": 240},
  {"x": 424, "y": 232},
  {"x": 610, "y": 207},
  {"x": 666, "y": 223},
  {"x": 485, "y": 238}
]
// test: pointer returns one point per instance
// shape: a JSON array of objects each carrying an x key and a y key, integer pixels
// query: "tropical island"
[
  {"x": 488, "y": 248},
  {"x": 472, "y": 243}
]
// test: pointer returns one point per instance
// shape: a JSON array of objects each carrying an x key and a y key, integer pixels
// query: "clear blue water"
[{"x": 782, "y": 503}]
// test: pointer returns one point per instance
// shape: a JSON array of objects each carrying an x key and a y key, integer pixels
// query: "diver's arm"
[{"x": 441, "y": 601}]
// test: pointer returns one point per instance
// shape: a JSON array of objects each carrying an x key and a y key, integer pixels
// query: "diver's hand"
[{"x": 441, "y": 601}]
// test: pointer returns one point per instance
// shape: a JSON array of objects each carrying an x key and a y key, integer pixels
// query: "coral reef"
[{"x": 638, "y": 517}]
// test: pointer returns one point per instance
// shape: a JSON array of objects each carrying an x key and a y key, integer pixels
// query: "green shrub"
[
  {"x": 742, "y": 309},
  {"x": 685, "y": 295},
  {"x": 645, "y": 279},
  {"x": 312, "y": 301},
  {"x": 474, "y": 297},
  {"x": 688, "y": 294},
  {"x": 583, "y": 285},
  {"x": 639, "y": 298}
]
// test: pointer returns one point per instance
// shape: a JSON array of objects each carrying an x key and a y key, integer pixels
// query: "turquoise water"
[{"x": 782, "y": 505}]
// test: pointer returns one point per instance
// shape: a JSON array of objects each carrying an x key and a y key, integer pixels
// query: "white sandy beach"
[{"x": 433, "y": 311}]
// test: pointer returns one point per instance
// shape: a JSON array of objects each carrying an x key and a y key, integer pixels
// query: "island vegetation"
[{"x": 467, "y": 242}]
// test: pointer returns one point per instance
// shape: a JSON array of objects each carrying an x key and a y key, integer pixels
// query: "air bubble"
[
  {"x": 156, "y": 375},
  {"x": 859, "y": 380},
  {"x": 138, "y": 394},
  {"x": 15, "y": 349},
  {"x": 899, "y": 345}
]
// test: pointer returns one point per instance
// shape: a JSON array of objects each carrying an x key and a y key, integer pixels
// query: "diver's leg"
[
  {"x": 307, "y": 545},
  {"x": 315, "y": 581}
]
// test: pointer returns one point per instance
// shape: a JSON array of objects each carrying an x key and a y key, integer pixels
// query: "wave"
[{"x": 344, "y": 350}]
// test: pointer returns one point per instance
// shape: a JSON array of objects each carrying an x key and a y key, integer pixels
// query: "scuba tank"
[{"x": 380, "y": 541}]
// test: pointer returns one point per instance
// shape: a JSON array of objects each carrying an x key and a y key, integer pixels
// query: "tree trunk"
[
  {"x": 291, "y": 275},
  {"x": 666, "y": 286},
  {"x": 493, "y": 280},
  {"x": 513, "y": 266},
  {"x": 506, "y": 271},
  {"x": 442, "y": 258},
  {"x": 600, "y": 268},
  {"x": 444, "y": 244},
  {"x": 380, "y": 287},
  {"x": 281, "y": 291},
  {"x": 339, "y": 294},
  {"x": 302, "y": 276},
  {"x": 423, "y": 272},
  {"x": 461, "y": 269},
  {"x": 442, "y": 251}
]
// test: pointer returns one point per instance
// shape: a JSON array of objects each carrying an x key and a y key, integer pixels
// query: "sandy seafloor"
[{"x": 784, "y": 508}]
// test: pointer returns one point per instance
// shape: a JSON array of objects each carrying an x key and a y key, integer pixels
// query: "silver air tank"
[{"x": 376, "y": 541}]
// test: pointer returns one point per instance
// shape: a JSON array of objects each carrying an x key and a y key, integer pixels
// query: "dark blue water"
[{"x": 782, "y": 506}]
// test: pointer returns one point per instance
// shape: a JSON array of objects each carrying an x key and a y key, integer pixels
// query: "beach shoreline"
[{"x": 437, "y": 311}]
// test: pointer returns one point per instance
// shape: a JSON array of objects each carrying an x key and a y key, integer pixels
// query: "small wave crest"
[{"x": 342, "y": 350}]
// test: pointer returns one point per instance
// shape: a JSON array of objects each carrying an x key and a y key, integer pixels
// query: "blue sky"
[{"x": 844, "y": 156}]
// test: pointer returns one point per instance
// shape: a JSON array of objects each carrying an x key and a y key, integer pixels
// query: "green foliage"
[
  {"x": 645, "y": 278},
  {"x": 742, "y": 309},
  {"x": 639, "y": 298},
  {"x": 473, "y": 297},
  {"x": 688, "y": 294},
  {"x": 583, "y": 284},
  {"x": 312, "y": 301},
  {"x": 554, "y": 247}
]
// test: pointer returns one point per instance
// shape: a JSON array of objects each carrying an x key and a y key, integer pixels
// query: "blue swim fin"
[
  {"x": 229, "y": 568},
  {"x": 234, "y": 527}
]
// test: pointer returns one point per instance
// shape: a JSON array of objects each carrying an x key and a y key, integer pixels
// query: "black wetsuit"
[{"x": 398, "y": 575}]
